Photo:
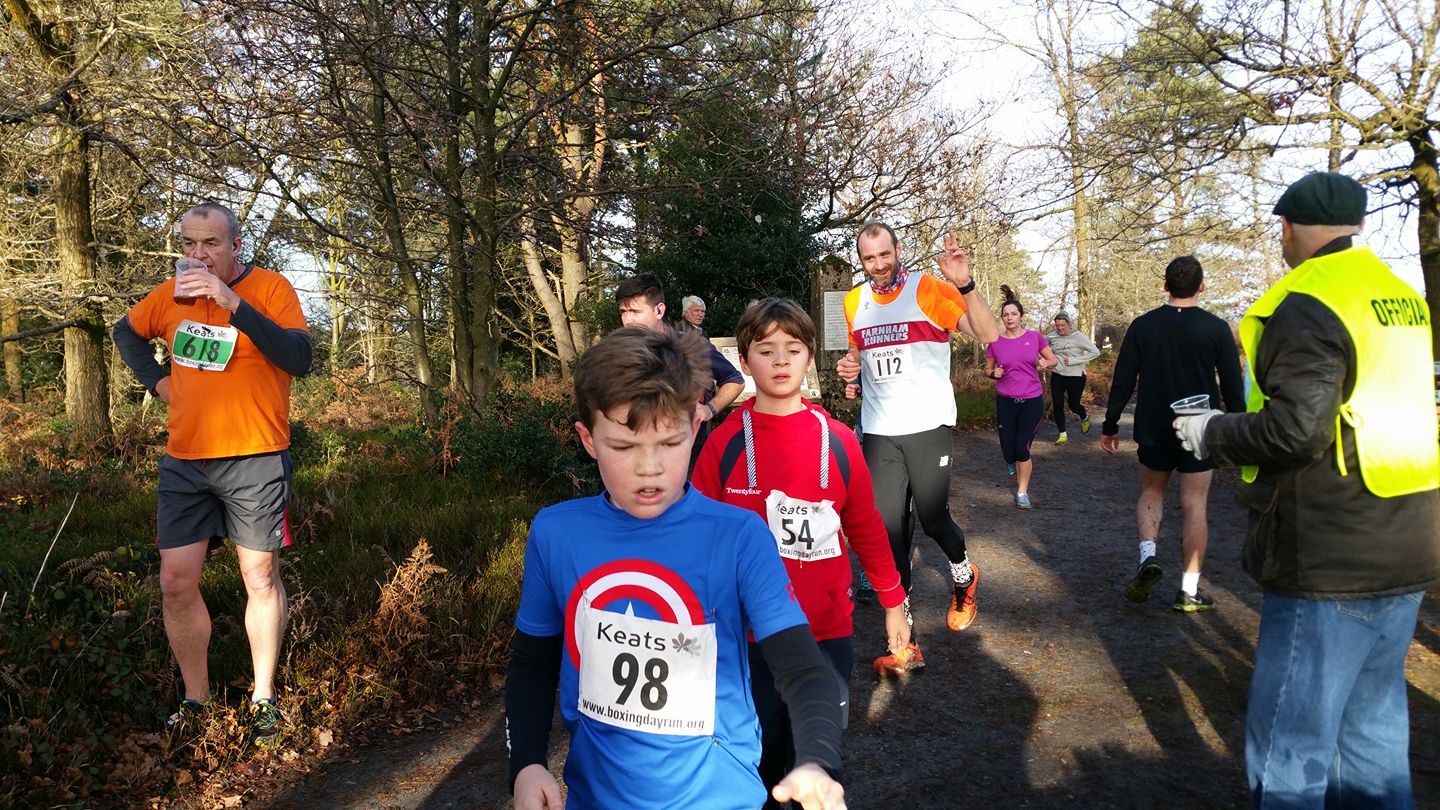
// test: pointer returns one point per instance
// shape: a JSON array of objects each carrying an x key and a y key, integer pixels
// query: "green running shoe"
[{"x": 1146, "y": 576}]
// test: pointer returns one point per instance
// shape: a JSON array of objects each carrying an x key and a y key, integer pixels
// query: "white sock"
[
  {"x": 1190, "y": 582},
  {"x": 1147, "y": 549},
  {"x": 961, "y": 572}
]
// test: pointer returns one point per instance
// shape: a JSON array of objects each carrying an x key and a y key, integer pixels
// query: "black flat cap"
[{"x": 1322, "y": 198}]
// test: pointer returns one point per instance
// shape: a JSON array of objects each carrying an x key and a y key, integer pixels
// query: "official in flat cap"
[{"x": 1342, "y": 481}]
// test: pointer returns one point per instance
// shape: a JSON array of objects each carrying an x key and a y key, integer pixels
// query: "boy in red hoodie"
[{"x": 788, "y": 461}]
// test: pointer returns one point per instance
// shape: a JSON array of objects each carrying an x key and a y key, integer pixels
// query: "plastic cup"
[
  {"x": 1191, "y": 406},
  {"x": 184, "y": 265}
]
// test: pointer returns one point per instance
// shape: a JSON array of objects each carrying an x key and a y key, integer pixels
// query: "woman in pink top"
[{"x": 1014, "y": 361}]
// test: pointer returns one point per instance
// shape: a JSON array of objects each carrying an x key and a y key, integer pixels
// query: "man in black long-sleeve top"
[
  {"x": 236, "y": 336},
  {"x": 1175, "y": 351}
]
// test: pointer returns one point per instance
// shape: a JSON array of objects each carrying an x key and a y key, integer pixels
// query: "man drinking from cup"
[
  {"x": 1175, "y": 352},
  {"x": 236, "y": 336}
]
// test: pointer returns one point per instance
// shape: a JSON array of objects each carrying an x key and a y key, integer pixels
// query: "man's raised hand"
[{"x": 954, "y": 264}]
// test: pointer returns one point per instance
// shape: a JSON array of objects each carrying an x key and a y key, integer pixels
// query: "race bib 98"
[
  {"x": 647, "y": 675},
  {"x": 202, "y": 346}
]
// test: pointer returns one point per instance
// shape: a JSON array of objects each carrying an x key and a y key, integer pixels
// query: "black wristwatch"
[{"x": 968, "y": 287}]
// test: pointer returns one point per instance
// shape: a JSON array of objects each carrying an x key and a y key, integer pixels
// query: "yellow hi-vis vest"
[{"x": 1392, "y": 409}]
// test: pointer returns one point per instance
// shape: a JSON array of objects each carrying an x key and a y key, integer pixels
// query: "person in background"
[
  {"x": 1172, "y": 352},
  {"x": 692, "y": 312},
  {"x": 641, "y": 299},
  {"x": 820, "y": 508},
  {"x": 237, "y": 338},
  {"x": 1014, "y": 361},
  {"x": 900, "y": 324},
  {"x": 1073, "y": 349}
]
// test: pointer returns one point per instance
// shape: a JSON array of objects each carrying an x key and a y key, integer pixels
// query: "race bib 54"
[{"x": 804, "y": 530}]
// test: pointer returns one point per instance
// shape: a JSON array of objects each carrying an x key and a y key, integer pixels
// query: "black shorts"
[
  {"x": 1171, "y": 457},
  {"x": 246, "y": 499}
]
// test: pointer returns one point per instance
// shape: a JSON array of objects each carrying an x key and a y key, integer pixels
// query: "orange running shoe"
[
  {"x": 962, "y": 603},
  {"x": 904, "y": 662}
]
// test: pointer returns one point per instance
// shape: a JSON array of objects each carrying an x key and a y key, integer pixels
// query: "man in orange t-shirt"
[{"x": 236, "y": 336}]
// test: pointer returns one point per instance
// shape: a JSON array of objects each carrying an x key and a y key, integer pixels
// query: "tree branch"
[{"x": 42, "y": 330}]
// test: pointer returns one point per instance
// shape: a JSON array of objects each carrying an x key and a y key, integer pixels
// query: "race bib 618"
[{"x": 202, "y": 346}]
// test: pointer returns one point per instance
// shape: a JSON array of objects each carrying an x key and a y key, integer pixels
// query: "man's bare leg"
[
  {"x": 1149, "y": 511},
  {"x": 187, "y": 620},
  {"x": 1194, "y": 496},
  {"x": 1150, "y": 508},
  {"x": 266, "y": 613}
]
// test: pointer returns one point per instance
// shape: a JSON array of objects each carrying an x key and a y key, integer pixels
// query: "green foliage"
[
  {"x": 727, "y": 226},
  {"x": 974, "y": 400},
  {"x": 524, "y": 438}
]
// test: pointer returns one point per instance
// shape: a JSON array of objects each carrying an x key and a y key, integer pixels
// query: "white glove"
[{"x": 1190, "y": 430}]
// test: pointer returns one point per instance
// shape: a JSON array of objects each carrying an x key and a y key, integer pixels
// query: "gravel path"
[{"x": 1060, "y": 695}]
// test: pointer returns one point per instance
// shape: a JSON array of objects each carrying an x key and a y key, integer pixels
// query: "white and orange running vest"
[{"x": 904, "y": 356}]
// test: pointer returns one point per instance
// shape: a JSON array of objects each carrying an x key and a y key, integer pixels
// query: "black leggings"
[
  {"x": 916, "y": 466},
  {"x": 1016, "y": 420},
  {"x": 1063, "y": 388}
]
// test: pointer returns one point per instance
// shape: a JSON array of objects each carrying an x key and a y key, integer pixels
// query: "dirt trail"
[{"x": 1061, "y": 695}]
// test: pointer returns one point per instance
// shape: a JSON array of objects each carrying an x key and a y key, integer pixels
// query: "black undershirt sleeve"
[
  {"x": 531, "y": 680},
  {"x": 289, "y": 349},
  {"x": 137, "y": 354},
  {"x": 810, "y": 689}
]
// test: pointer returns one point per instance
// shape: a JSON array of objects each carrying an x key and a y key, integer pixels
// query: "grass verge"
[{"x": 403, "y": 584}]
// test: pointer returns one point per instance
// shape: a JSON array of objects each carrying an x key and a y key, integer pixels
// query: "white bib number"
[
  {"x": 202, "y": 346},
  {"x": 804, "y": 530},
  {"x": 647, "y": 675},
  {"x": 889, "y": 363}
]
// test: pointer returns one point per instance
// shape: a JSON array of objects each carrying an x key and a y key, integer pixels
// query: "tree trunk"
[
  {"x": 1425, "y": 169},
  {"x": 484, "y": 223},
  {"x": 87, "y": 402},
  {"x": 9, "y": 325},
  {"x": 404, "y": 266},
  {"x": 554, "y": 308},
  {"x": 462, "y": 341}
]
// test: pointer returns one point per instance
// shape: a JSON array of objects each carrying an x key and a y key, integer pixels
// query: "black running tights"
[
  {"x": 1064, "y": 388},
  {"x": 915, "y": 466}
]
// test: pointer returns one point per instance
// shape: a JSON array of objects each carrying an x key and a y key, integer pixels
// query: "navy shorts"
[
  {"x": 246, "y": 499},
  {"x": 1171, "y": 457}
]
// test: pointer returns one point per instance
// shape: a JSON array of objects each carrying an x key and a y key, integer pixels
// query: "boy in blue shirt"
[{"x": 637, "y": 604}]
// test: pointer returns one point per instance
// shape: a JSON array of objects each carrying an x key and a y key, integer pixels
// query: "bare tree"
[{"x": 1356, "y": 79}]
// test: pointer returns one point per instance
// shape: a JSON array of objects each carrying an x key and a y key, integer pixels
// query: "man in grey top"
[{"x": 1067, "y": 381}]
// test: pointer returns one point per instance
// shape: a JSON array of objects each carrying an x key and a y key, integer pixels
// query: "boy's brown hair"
[
  {"x": 769, "y": 314},
  {"x": 658, "y": 374}
]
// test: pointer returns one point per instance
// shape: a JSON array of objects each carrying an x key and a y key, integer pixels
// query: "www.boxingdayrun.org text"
[{"x": 640, "y": 719}]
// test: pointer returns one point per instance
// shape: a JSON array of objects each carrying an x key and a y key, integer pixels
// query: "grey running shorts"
[{"x": 206, "y": 500}]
